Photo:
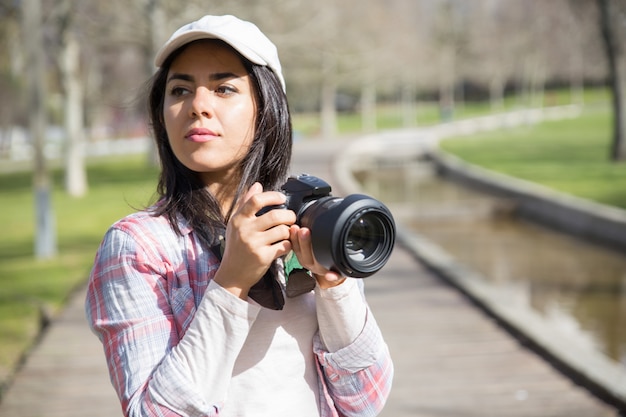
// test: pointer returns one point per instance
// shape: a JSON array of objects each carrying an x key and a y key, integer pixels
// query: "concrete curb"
[
  {"x": 567, "y": 213},
  {"x": 604, "y": 377}
]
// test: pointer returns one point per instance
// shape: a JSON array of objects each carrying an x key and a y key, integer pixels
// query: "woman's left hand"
[{"x": 301, "y": 244}]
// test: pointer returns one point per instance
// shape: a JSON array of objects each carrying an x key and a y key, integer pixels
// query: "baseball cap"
[{"x": 245, "y": 37}]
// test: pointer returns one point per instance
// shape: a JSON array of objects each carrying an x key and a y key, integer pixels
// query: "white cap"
[{"x": 244, "y": 37}]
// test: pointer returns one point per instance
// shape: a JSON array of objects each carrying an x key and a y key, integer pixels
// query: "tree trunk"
[
  {"x": 75, "y": 170},
  {"x": 368, "y": 105},
  {"x": 409, "y": 117},
  {"x": 537, "y": 86},
  {"x": 45, "y": 236},
  {"x": 577, "y": 80},
  {"x": 329, "y": 94},
  {"x": 447, "y": 78},
  {"x": 496, "y": 94},
  {"x": 617, "y": 152},
  {"x": 576, "y": 64}
]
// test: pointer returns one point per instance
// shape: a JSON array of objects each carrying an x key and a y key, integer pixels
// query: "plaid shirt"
[{"x": 144, "y": 290}]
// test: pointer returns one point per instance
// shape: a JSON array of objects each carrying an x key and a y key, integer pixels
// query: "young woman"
[{"x": 188, "y": 296}]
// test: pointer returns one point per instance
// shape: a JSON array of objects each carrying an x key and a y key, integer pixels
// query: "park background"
[{"x": 73, "y": 129}]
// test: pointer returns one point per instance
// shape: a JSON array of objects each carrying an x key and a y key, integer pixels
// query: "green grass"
[
  {"x": 569, "y": 155},
  {"x": 387, "y": 117},
  {"x": 117, "y": 187}
]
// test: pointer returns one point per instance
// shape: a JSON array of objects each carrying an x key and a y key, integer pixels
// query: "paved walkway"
[{"x": 450, "y": 358}]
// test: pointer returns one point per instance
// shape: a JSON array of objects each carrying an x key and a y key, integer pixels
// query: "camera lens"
[
  {"x": 368, "y": 240},
  {"x": 354, "y": 235},
  {"x": 364, "y": 237}
]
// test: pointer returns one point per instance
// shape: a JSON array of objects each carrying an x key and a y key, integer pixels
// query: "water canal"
[{"x": 574, "y": 285}]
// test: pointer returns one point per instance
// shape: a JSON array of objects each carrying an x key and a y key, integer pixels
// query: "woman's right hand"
[{"x": 254, "y": 242}]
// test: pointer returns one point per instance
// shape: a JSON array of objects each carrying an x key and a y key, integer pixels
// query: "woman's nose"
[{"x": 202, "y": 104}]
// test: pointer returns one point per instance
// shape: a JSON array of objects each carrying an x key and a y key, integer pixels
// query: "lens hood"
[{"x": 354, "y": 235}]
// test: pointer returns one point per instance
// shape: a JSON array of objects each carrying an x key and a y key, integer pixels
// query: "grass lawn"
[
  {"x": 28, "y": 285},
  {"x": 387, "y": 117},
  {"x": 569, "y": 155}
]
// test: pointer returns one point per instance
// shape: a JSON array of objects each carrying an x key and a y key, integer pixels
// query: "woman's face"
[{"x": 209, "y": 111}]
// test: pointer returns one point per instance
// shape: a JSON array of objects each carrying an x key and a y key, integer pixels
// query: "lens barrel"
[{"x": 354, "y": 235}]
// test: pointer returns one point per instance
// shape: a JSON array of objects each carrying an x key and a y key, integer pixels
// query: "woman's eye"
[
  {"x": 225, "y": 90},
  {"x": 178, "y": 91}
]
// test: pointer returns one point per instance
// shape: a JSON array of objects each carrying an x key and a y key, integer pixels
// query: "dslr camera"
[{"x": 354, "y": 235}]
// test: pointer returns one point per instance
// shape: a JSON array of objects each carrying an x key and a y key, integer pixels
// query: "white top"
[{"x": 340, "y": 313}]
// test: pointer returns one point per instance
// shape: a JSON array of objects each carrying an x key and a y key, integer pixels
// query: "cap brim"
[{"x": 196, "y": 35}]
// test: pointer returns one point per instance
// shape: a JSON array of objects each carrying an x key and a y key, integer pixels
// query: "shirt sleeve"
[
  {"x": 356, "y": 379},
  {"x": 341, "y": 312},
  {"x": 154, "y": 370}
]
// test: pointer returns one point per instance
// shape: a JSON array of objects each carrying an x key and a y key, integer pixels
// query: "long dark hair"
[{"x": 180, "y": 190}]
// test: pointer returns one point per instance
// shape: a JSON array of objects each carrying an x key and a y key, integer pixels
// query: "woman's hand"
[
  {"x": 253, "y": 243},
  {"x": 301, "y": 243}
]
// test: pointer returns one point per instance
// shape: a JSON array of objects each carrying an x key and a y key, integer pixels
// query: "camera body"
[
  {"x": 304, "y": 189},
  {"x": 353, "y": 236}
]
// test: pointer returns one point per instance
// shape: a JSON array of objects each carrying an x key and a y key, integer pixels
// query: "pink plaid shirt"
[{"x": 144, "y": 289}]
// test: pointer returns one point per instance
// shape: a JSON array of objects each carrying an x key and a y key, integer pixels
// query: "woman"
[{"x": 187, "y": 296}]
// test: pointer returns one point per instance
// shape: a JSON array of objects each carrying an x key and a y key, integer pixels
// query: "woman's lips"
[{"x": 200, "y": 135}]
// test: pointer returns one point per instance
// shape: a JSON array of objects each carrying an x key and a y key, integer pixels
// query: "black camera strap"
[
  {"x": 299, "y": 280},
  {"x": 267, "y": 291}
]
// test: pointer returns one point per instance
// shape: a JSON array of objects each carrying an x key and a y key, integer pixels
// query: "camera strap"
[
  {"x": 267, "y": 291},
  {"x": 299, "y": 280}
]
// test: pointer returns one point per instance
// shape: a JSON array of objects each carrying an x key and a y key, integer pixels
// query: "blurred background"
[
  {"x": 74, "y": 138},
  {"x": 338, "y": 56}
]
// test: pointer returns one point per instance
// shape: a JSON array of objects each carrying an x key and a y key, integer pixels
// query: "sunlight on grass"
[{"x": 569, "y": 155}]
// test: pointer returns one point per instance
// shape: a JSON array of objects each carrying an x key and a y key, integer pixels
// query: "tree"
[
  {"x": 75, "y": 170},
  {"x": 611, "y": 18},
  {"x": 11, "y": 101},
  {"x": 450, "y": 36},
  {"x": 45, "y": 235}
]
